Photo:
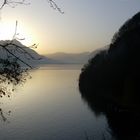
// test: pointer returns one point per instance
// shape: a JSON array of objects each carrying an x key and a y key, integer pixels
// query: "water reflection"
[{"x": 124, "y": 121}]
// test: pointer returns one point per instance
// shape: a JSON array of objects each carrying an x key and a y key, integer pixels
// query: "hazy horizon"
[{"x": 67, "y": 52}]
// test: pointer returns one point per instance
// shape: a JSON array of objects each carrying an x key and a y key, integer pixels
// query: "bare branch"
[
  {"x": 15, "y": 33},
  {"x": 18, "y": 48},
  {"x": 10, "y": 66},
  {"x": 13, "y": 3},
  {"x": 11, "y": 70},
  {"x": 21, "y": 48},
  {"x": 4, "y": 47},
  {"x": 55, "y": 6},
  {"x": 4, "y": 3}
]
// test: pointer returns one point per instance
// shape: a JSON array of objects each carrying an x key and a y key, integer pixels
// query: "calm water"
[{"x": 49, "y": 107}]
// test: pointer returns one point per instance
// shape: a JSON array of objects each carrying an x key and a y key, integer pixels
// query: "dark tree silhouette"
[
  {"x": 110, "y": 81},
  {"x": 117, "y": 69},
  {"x": 13, "y": 68}
]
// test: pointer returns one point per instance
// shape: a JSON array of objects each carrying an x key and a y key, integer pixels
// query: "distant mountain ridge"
[
  {"x": 73, "y": 58},
  {"x": 37, "y": 59},
  {"x": 29, "y": 56},
  {"x": 70, "y": 58}
]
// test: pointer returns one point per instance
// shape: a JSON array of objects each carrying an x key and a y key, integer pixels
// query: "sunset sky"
[{"x": 85, "y": 26}]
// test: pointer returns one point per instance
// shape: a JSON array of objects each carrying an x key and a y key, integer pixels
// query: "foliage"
[
  {"x": 116, "y": 70},
  {"x": 11, "y": 70}
]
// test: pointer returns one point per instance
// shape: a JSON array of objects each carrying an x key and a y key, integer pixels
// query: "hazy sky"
[{"x": 85, "y": 26}]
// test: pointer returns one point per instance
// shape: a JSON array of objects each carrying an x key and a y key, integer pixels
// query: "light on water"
[{"x": 49, "y": 107}]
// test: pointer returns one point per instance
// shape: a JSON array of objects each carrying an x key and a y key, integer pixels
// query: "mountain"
[
  {"x": 26, "y": 54},
  {"x": 32, "y": 58},
  {"x": 74, "y": 58},
  {"x": 70, "y": 58}
]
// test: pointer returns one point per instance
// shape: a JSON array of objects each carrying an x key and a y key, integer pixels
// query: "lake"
[{"x": 50, "y": 107}]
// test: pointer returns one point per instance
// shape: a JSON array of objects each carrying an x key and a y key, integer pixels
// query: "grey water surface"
[{"x": 49, "y": 107}]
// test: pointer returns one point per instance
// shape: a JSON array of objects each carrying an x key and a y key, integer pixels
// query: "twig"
[
  {"x": 55, "y": 6},
  {"x": 3, "y": 46},
  {"x": 15, "y": 33},
  {"x": 13, "y": 3}
]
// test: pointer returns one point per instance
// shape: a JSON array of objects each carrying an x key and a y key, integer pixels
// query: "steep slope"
[{"x": 24, "y": 53}]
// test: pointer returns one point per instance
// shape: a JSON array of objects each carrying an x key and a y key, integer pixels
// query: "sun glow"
[
  {"x": 7, "y": 31},
  {"x": 26, "y": 34}
]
